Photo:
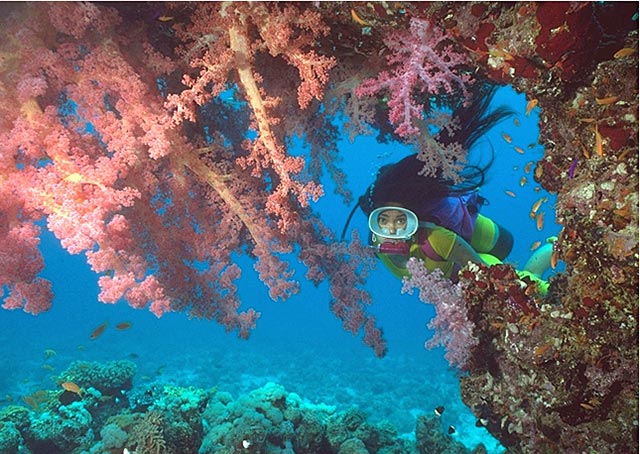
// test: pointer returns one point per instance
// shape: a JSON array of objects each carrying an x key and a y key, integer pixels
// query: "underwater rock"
[
  {"x": 431, "y": 440},
  {"x": 113, "y": 437},
  {"x": 353, "y": 446},
  {"x": 109, "y": 378},
  {"x": 59, "y": 431},
  {"x": 10, "y": 438},
  {"x": 550, "y": 374},
  {"x": 177, "y": 420}
]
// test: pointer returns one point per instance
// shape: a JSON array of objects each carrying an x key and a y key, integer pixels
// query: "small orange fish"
[
  {"x": 535, "y": 245},
  {"x": 498, "y": 52},
  {"x": 536, "y": 206},
  {"x": 71, "y": 387},
  {"x": 541, "y": 349},
  {"x": 165, "y": 18},
  {"x": 123, "y": 325},
  {"x": 519, "y": 150},
  {"x": 523, "y": 181},
  {"x": 510, "y": 193},
  {"x": 516, "y": 122},
  {"x": 554, "y": 259},
  {"x": 98, "y": 331},
  {"x": 624, "y": 154},
  {"x": 507, "y": 138},
  {"x": 358, "y": 20},
  {"x": 530, "y": 106},
  {"x": 606, "y": 101},
  {"x": 527, "y": 167},
  {"x": 598, "y": 145},
  {"x": 540, "y": 221},
  {"x": 538, "y": 172},
  {"x": 30, "y": 401},
  {"x": 624, "y": 52}
]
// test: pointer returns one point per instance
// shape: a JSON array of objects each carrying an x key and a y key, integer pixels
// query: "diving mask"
[{"x": 393, "y": 223}]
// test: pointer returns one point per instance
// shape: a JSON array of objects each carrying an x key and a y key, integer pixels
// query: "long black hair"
[{"x": 403, "y": 181}]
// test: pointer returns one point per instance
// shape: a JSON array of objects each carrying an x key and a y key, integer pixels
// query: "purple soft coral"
[
  {"x": 421, "y": 60},
  {"x": 453, "y": 328}
]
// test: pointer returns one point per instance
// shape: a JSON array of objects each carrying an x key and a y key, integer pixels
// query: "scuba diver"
[{"x": 438, "y": 220}]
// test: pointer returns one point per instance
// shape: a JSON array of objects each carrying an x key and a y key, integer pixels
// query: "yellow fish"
[
  {"x": 540, "y": 221},
  {"x": 598, "y": 145},
  {"x": 536, "y": 206},
  {"x": 71, "y": 387},
  {"x": 358, "y": 20},
  {"x": 607, "y": 100},
  {"x": 123, "y": 325},
  {"x": 538, "y": 172},
  {"x": 624, "y": 52},
  {"x": 554, "y": 259},
  {"x": 527, "y": 167},
  {"x": 530, "y": 106},
  {"x": 98, "y": 331}
]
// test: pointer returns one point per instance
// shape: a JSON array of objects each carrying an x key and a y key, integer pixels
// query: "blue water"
[{"x": 297, "y": 343}]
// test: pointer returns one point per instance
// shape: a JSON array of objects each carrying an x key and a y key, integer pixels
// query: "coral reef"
[
  {"x": 110, "y": 378},
  {"x": 115, "y": 129},
  {"x": 165, "y": 419},
  {"x": 561, "y": 373}
]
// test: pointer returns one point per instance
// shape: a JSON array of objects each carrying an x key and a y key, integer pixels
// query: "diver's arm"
[{"x": 462, "y": 253}]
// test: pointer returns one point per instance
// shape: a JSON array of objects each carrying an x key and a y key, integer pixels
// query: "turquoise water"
[{"x": 298, "y": 343}]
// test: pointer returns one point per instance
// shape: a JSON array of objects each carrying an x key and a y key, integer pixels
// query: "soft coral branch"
[
  {"x": 160, "y": 206},
  {"x": 452, "y": 326},
  {"x": 422, "y": 62}
]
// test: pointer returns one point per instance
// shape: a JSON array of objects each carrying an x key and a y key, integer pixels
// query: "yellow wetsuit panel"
[
  {"x": 485, "y": 234},
  {"x": 441, "y": 241},
  {"x": 398, "y": 270}
]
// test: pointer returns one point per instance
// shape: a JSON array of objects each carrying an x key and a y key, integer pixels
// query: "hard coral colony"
[{"x": 552, "y": 374}]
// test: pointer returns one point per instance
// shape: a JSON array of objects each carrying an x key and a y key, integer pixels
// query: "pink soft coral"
[
  {"x": 453, "y": 328},
  {"x": 421, "y": 60}
]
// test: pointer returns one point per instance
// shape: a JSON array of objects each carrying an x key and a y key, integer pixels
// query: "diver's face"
[{"x": 392, "y": 220}]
